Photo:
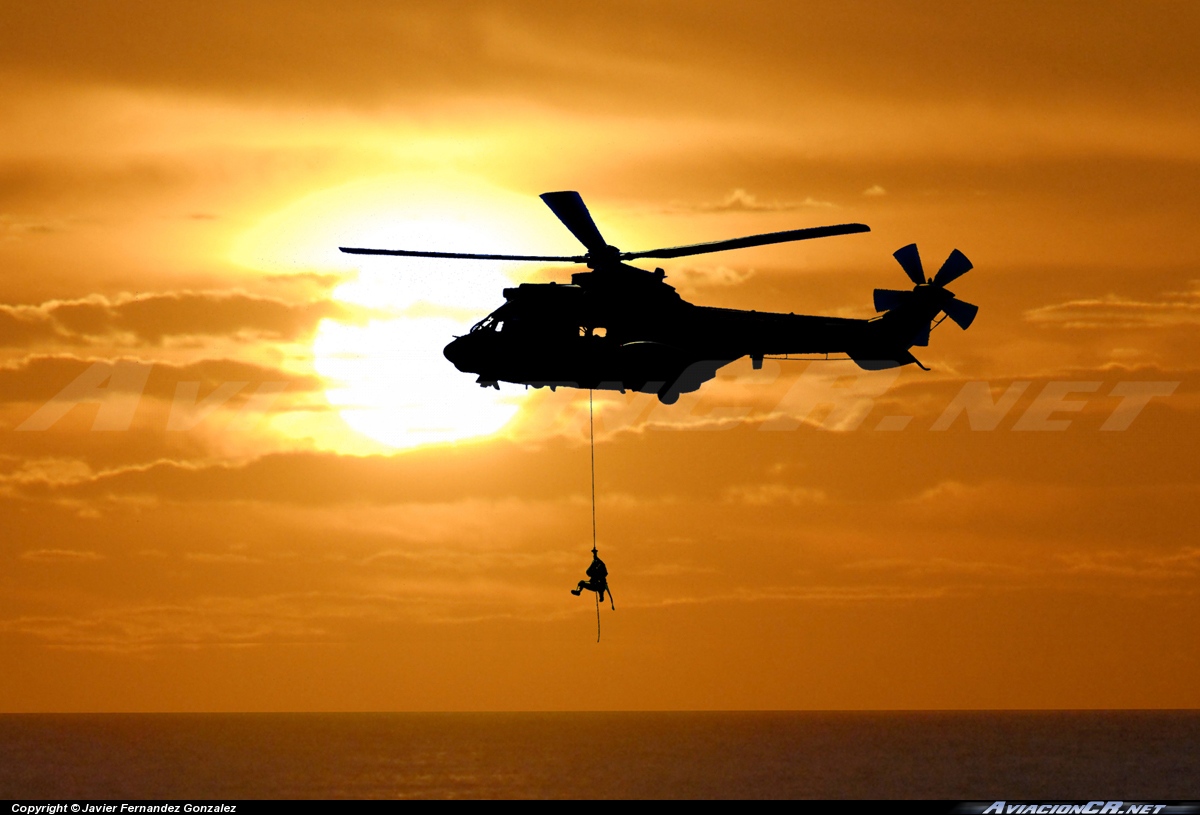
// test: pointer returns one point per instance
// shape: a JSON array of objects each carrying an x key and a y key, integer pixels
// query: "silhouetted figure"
[{"x": 598, "y": 573}]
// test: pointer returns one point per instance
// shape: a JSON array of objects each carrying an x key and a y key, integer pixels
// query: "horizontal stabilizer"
[{"x": 881, "y": 360}]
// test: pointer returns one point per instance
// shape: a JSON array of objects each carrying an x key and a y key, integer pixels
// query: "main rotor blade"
[
  {"x": 410, "y": 253},
  {"x": 910, "y": 261},
  {"x": 961, "y": 312},
  {"x": 752, "y": 240},
  {"x": 922, "y": 337},
  {"x": 571, "y": 210},
  {"x": 955, "y": 267}
]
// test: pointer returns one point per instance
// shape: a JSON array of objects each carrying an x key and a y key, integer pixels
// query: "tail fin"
[{"x": 908, "y": 314}]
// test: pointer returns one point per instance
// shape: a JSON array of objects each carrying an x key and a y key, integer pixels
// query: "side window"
[{"x": 599, "y": 332}]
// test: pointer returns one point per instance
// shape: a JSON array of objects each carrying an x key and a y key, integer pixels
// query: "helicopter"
[{"x": 618, "y": 327}]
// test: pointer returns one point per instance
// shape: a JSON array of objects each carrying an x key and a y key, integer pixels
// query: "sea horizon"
[{"x": 1144, "y": 754}]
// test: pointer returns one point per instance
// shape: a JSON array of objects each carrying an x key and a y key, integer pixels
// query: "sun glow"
[
  {"x": 388, "y": 378},
  {"x": 391, "y": 382}
]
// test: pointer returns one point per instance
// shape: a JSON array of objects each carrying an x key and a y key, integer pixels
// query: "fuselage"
[
  {"x": 624, "y": 328},
  {"x": 621, "y": 327}
]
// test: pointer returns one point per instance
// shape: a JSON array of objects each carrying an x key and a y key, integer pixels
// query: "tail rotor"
[{"x": 929, "y": 292}]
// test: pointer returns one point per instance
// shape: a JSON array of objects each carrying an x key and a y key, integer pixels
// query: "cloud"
[
  {"x": 13, "y": 229},
  {"x": 230, "y": 558},
  {"x": 23, "y": 326},
  {"x": 203, "y": 622},
  {"x": 1116, "y": 312},
  {"x": 60, "y": 556},
  {"x": 831, "y": 595},
  {"x": 765, "y": 494},
  {"x": 1181, "y": 564},
  {"x": 152, "y": 318},
  {"x": 741, "y": 201},
  {"x": 324, "y": 479},
  {"x": 767, "y": 57},
  {"x": 875, "y": 190},
  {"x": 695, "y": 277},
  {"x": 941, "y": 567},
  {"x": 41, "y": 378}
]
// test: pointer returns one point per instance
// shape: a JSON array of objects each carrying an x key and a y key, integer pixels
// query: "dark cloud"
[
  {"x": 41, "y": 378},
  {"x": 21, "y": 327},
  {"x": 11, "y": 228},
  {"x": 63, "y": 183},
  {"x": 666, "y": 54},
  {"x": 152, "y": 318},
  {"x": 698, "y": 458},
  {"x": 220, "y": 621},
  {"x": 322, "y": 479},
  {"x": 151, "y": 411}
]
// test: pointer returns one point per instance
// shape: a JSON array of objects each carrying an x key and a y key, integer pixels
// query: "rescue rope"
[{"x": 592, "y": 440}]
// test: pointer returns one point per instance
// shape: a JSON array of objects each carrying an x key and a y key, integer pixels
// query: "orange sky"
[{"x": 254, "y": 516}]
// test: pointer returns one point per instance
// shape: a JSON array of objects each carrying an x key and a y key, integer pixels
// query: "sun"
[
  {"x": 389, "y": 381},
  {"x": 387, "y": 377}
]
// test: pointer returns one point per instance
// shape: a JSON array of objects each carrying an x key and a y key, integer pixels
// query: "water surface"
[{"x": 1127, "y": 755}]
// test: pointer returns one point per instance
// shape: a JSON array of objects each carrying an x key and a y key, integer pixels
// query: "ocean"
[{"x": 1088, "y": 755}]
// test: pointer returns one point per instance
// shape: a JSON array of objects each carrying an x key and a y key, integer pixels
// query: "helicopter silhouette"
[{"x": 617, "y": 327}]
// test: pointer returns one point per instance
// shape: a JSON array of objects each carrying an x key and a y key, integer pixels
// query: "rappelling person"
[{"x": 598, "y": 573}]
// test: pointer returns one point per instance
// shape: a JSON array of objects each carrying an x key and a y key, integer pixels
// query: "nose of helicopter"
[{"x": 456, "y": 352}]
